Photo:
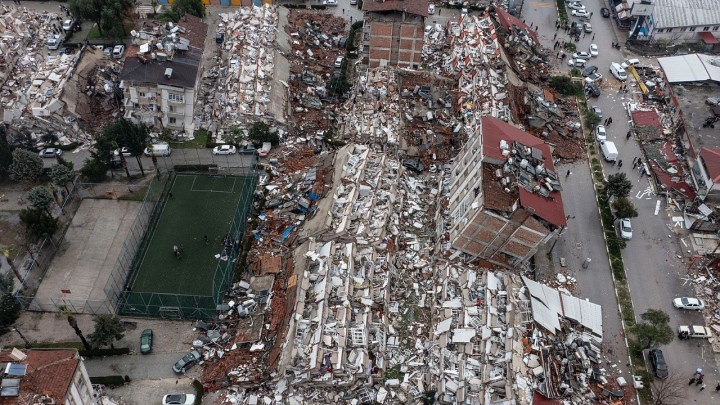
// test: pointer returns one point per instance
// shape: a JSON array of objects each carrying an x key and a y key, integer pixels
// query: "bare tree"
[
  {"x": 668, "y": 391},
  {"x": 14, "y": 269}
]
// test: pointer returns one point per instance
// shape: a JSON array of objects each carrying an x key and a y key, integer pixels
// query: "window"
[
  {"x": 660, "y": 30},
  {"x": 173, "y": 120},
  {"x": 172, "y": 108},
  {"x": 683, "y": 29},
  {"x": 176, "y": 98},
  {"x": 142, "y": 94},
  {"x": 715, "y": 28},
  {"x": 706, "y": 28},
  {"x": 692, "y": 29},
  {"x": 669, "y": 30}
]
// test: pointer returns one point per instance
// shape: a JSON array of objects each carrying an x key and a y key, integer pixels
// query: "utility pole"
[{"x": 27, "y": 343}]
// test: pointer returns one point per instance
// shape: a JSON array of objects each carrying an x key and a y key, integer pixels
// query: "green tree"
[
  {"x": 73, "y": 324},
  {"x": 654, "y": 330},
  {"x": 109, "y": 15},
  {"x": 7, "y": 283},
  {"x": 9, "y": 311},
  {"x": 26, "y": 166},
  {"x": 235, "y": 137},
  {"x": 41, "y": 198},
  {"x": 260, "y": 132},
  {"x": 94, "y": 169},
  {"x": 624, "y": 208},
  {"x": 6, "y": 157},
  {"x": 133, "y": 136},
  {"x": 618, "y": 185},
  {"x": 61, "y": 175},
  {"x": 338, "y": 85},
  {"x": 192, "y": 7},
  {"x": 565, "y": 86},
  {"x": 108, "y": 329},
  {"x": 38, "y": 224},
  {"x": 592, "y": 120}
]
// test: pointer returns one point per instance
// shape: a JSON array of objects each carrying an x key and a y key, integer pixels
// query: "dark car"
[
  {"x": 592, "y": 90},
  {"x": 146, "y": 341},
  {"x": 589, "y": 70},
  {"x": 605, "y": 12},
  {"x": 186, "y": 362},
  {"x": 248, "y": 150},
  {"x": 657, "y": 360},
  {"x": 414, "y": 165},
  {"x": 219, "y": 37}
]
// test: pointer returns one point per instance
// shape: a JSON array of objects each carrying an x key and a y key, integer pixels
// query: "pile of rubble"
[
  {"x": 240, "y": 85},
  {"x": 32, "y": 79}
]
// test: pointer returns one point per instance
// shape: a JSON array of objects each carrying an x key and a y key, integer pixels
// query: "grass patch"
[
  {"x": 562, "y": 11},
  {"x": 201, "y": 139}
]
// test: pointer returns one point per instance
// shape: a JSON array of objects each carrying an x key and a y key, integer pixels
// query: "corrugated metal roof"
[
  {"x": 683, "y": 68},
  {"x": 686, "y": 13}
]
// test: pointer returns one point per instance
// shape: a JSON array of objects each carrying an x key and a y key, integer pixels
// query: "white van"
[
  {"x": 158, "y": 149},
  {"x": 609, "y": 151},
  {"x": 618, "y": 71}
]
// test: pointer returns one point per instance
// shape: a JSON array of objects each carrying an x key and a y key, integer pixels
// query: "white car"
[
  {"x": 595, "y": 77},
  {"x": 339, "y": 61},
  {"x": 53, "y": 43},
  {"x": 576, "y": 62},
  {"x": 689, "y": 303},
  {"x": 118, "y": 51},
  {"x": 597, "y": 111},
  {"x": 587, "y": 27},
  {"x": 600, "y": 133},
  {"x": 178, "y": 399},
  {"x": 576, "y": 5},
  {"x": 625, "y": 229},
  {"x": 330, "y": 3},
  {"x": 581, "y": 55},
  {"x": 224, "y": 150},
  {"x": 580, "y": 13},
  {"x": 50, "y": 152},
  {"x": 431, "y": 9},
  {"x": 694, "y": 331},
  {"x": 594, "y": 50},
  {"x": 68, "y": 24},
  {"x": 628, "y": 62}
]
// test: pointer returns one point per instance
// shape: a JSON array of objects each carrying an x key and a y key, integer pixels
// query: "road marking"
[
  {"x": 679, "y": 221},
  {"x": 643, "y": 193},
  {"x": 683, "y": 242},
  {"x": 657, "y": 207}
]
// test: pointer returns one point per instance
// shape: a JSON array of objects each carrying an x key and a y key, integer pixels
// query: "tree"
[
  {"x": 73, "y": 324},
  {"x": 108, "y": 15},
  {"x": 108, "y": 329},
  {"x": 624, "y": 208},
  {"x": 40, "y": 198},
  {"x": 9, "y": 311},
  {"x": 6, "y": 157},
  {"x": 94, "y": 169},
  {"x": 260, "y": 132},
  {"x": 133, "y": 136},
  {"x": 668, "y": 391},
  {"x": 618, "y": 185},
  {"x": 7, "y": 283},
  {"x": 14, "y": 269},
  {"x": 38, "y": 224},
  {"x": 338, "y": 85},
  {"x": 61, "y": 175},
  {"x": 26, "y": 166},
  {"x": 565, "y": 86},
  {"x": 654, "y": 330},
  {"x": 235, "y": 137},
  {"x": 192, "y": 7}
]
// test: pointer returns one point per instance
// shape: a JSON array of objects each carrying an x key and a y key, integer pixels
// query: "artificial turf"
[{"x": 196, "y": 205}]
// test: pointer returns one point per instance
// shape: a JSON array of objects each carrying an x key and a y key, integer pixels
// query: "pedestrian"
[
  {"x": 702, "y": 387},
  {"x": 351, "y": 18},
  {"x": 605, "y": 122},
  {"x": 692, "y": 381},
  {"x": 170, "y": 194},
  {"x": 620, "y": 163},
  {"x": 439, "y": 11},
  {"x": 698, "y": 371},
  {"x": 629, "y": 134},
  {"x": 568, "y": 173},
  {"x": 609, "y": 120},
  {"x": 620, "y": 89},
  {"x": 717, "y": 388},
  {"x": 555, "y": 37},
  {"x": 558, "y": 55},
  {"x": 343, "y": 11},
  {"x": 593, "y": 38},
  {"x": 206, "y": 239},
  {"x": 591, "y": 13}
]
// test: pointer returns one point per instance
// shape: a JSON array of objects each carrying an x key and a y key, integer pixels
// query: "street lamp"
[{"x": 27, "y": 343}]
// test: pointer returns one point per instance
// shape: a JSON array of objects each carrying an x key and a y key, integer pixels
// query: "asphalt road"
[{"x": 653, "y": 256}]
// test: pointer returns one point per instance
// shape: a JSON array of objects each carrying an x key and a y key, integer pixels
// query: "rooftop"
[
  {"x": 686, "y": 13},
  {"x": 417, "y": 7},
  {"x": 711, "y": 157},
  {"x": 49, "y": 373}
]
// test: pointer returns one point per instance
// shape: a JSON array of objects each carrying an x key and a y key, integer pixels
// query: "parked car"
[
  {"x": 224, "y": 150},
  {"x": 353, "y": 2},
  {"x": 575, "y": 5},
  {"x": 587, "y": 27},
  {"x": 605, "y": 12},
  {"x": 657, "y": 361},
  {"x": 118, "y": 51},
  {"x": 158, "y": 149},
  {"x": 594, "y": 50},
  {"x": 50, "y": 152},
  {"x": 219, "y": 37},
  {"x": 580, "y": 13},
  {"x": 625, "y": 229},
  {"x": 592, "y": 90},
  {"x": 628, "y": 62},
  {"x": 266, "y": 146},
  {"x": 593, "y": 78},
  {"x": 68, "y": 24},
  {"x": 330, "y": 3},
  {"x": 178, "y": 399},
  {"x": 589, "y": 70},
  {"x": 600, "y": 133},
  {"x": 146, "y": 341},
  {"x": 694, "y": 331},
  {"x": 186, "y": 362},
  {"x": 581, "y": 55},
  {"x": 618, "y": 71},
  {"x": 248, "y": 150},
  {"x": 689, "y": 303},
  {"x": 576, "y": 62},
  {"x": 339, "y": 61},
  {"x": 53, "y": 42},
  {"x": 125, "y": 151},
  {"x": 431, "y": 9},
  {"x": 596, "y": 110}
]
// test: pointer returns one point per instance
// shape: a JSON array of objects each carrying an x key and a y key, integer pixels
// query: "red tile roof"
[
  {"x": 648, "y": 119},
  {"x": 495, "y": 130},
  {"x": 49, "y": 372},
  {"x": 417, "y": 7},
  {"x": 711, "y": 157},
  {"x": 507, "y": 20}
]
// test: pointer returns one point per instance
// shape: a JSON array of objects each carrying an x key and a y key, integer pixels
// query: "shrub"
[
  {"x": 194, "y": 168},
  {"x": 565, "y": 86},
  {"x": 110, "y": 380},
  {"x": 199, "y": 391},
  {"x": 120, "y": 351}
]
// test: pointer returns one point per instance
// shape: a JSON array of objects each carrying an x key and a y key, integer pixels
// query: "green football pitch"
[{"x": 195, "y": 206}]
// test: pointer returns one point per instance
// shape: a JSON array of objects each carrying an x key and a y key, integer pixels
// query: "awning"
[{"x": 708, "y": 38}]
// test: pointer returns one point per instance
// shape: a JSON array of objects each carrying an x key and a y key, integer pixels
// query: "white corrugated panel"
[
  {"x": 684, "y": 68},
  {"x": 572, "y": 308},
  {"x": 535, "y": 288},
  {"x": 592, "y": 316},
  {"x": 544, "y": 316},
  {"x": 712, "y": 65}
]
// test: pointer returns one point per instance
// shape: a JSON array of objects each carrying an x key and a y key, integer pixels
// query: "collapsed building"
[{"x": 394, "y": 31}]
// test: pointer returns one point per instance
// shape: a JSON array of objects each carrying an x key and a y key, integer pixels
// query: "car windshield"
[
  {"x": 175, "y": 399},
  {"x": 626, "y": 227},
  {"x": 685, "y": 301}
]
